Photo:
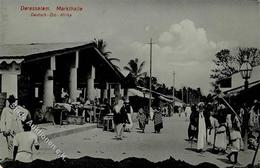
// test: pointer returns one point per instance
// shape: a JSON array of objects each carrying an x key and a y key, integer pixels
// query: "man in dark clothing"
[{"x": 193, "y": 127}]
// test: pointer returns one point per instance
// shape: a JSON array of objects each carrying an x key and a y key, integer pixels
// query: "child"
[
  {"x": 23, "y": 144},
  {"x": 236, "y": 140}
]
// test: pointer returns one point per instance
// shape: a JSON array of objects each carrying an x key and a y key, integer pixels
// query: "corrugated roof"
[{"x": 22, "y": 50}]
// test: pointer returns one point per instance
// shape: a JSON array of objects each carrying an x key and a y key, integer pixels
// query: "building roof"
[
  {"x": 27, "y": 52},
  {"x": 23, "y": 50}
]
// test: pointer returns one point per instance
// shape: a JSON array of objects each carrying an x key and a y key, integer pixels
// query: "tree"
[
  {"x": 101, "y": 45},
  {"x": 228, "y": 63},
  {"x": 135, "y": 68},
  {"x": 224, "y": 65}
]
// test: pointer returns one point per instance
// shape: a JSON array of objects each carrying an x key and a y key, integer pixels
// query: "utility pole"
[
  {"x": 173, "y": 91},
  {"x": 150, "y": 82}
]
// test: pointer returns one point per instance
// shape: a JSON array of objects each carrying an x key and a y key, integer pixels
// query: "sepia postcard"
[{"x": 129, "y": 83}]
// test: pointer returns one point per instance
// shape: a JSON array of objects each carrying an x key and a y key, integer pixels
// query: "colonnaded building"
[{"x": 33, "y": 72}]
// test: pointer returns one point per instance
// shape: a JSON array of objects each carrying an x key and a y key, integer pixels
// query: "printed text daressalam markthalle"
[{"x": 47, "y": 11}]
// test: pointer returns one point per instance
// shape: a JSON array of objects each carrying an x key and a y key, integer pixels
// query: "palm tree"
[
  {"x": 135, "y": 68},
  {"x": 101, "y": 45}
]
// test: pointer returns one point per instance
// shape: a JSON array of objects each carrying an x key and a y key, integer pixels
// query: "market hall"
[{"x": 35, "y": 72}]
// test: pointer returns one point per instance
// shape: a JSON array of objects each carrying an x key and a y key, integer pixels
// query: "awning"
[
  {"x": 165, "y": 99},
  {"x": 11, "y": 60},
  {"x": 176, "y": 103},
  {"x": 134, "y": 92}
]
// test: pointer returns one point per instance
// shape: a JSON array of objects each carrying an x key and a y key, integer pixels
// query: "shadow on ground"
[
  {"x": 105, "y": 163},
  {"x": 224, "y": 160},
  {"x": 192, "y": 149}
]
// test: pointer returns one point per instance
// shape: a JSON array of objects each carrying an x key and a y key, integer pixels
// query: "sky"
[{"x": 186, "y": 33}]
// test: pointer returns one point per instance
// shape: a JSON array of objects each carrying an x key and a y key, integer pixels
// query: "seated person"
[
  {"x": 81, "y": 99},
  {"x": 39, "y": 114}
]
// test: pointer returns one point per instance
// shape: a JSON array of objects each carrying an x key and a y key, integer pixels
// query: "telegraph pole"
[
  {"x": 173, "y": 92},
  {"x": 150, "y": 82}
]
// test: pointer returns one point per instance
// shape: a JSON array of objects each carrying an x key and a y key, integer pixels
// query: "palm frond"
[
  {"x": 115, "y": 66},
  {"x": 127, "y": 68},
  {"x": 114, "y": 59},
  {"x": 140, "y": 69}
]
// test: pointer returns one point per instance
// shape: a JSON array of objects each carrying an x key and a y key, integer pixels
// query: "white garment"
[
  {"x": 151, "y": 113},
  {"x": 211, "y": 132},
  {"x": 221, "y": 138},
  {"x": 11, "y": 119},
  {"x": 229, "y": 121},
  {"x": 201, "y": 132},
  {"x": 188, "y": 111},
  {"x": 25, "y": 142},
  {"x": 236, "y": 140},
  {"x": 130, "y": 125}
]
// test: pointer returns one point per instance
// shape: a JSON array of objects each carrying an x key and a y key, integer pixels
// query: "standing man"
[
  {"x": 118, "y": 121},
  {"x": 129, "y": 112},
  {"x": 201, "y": 129},
  {"x": 11, "y": 122}
]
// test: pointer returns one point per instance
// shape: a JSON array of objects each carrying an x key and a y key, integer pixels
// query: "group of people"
[
  {"x": 156, "y": 114},
  {"x": 220, "y": 126},
  {"x": 20, "y": 139},
  {"x": 123, "y": 114}
]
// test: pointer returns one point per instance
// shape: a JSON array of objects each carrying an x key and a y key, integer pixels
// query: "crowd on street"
[
  {"x": 213, "y": 125},
  {"x": 21, "y": 139},
  {"x": 216, "y": 125}
]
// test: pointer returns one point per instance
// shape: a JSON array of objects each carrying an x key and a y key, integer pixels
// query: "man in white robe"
[
  {"x": 201, "y": 129},
  {"x": 11, "y": 122}
]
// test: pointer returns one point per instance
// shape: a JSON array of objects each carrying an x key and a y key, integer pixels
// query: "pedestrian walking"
[
  {"x": 142, "y": 119},
  {"x": 11, "y": 122},
  {"x": 129, "y": 112},
  {"x": 221, "y": 131},
  {"x": 193, "y": 126},
  {"x": 236, "y": 141},
  {"x": 180, "y": 110},
  {"x": 118, "y": 120},
  {"x": 23, "y": 144},
  {"x": 158, "y": 122},
  {"x": 201, "y": 143},
  {"x": 212, "y": 130},
  {"x": 187, "y": 112}
]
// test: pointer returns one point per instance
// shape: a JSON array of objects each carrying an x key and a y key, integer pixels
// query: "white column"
[
  {"x": 48, "y": 84},
  {"x": 109, "y": 93},
  {"x": 90, "y": 84},
  {"x": 73, "y": 85},
  {"x": 104, "y": 93},
  {"x": 10, "y": 84},
  {"x": 48, "y": 96},
  {"x": 117, "y": 92}
]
